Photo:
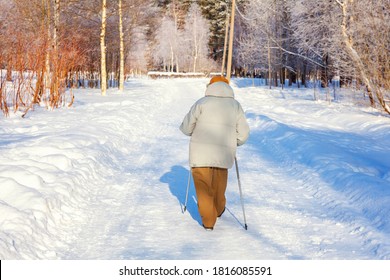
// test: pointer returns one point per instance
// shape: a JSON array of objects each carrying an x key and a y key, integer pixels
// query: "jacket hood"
[{"x": 220, "y": 89}]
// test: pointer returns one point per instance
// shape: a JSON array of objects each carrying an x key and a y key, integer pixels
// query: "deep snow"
[{"x": 106, "y": 178}]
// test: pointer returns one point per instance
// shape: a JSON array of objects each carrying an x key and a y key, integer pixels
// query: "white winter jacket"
[{"x": 217, "y": 125}]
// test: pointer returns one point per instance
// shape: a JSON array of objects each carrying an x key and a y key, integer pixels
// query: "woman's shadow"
[{"x": 177, "y": 179}]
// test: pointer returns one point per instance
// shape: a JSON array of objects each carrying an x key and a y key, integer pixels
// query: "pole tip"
[{"x": 246, "y": 227}]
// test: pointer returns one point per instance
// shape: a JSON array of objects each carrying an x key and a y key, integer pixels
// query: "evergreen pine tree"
[
  {"x": 162, "y": 3},
  {"x": 215, "y": 11}
]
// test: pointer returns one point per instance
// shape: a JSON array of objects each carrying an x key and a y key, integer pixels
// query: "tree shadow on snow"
[{"x": 177, "y": 179}]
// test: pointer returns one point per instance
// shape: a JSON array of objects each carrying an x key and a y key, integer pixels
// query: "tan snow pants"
[{"x": 210, "y": 184}]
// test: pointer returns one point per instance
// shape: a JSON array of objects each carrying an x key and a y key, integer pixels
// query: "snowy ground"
[{"x": 106, "y": 179}]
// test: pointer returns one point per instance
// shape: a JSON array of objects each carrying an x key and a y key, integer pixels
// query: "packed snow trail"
[{"x": 108, "y": 178}]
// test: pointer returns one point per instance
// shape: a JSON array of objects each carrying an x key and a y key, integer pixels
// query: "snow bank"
[{"x": 50, "y": 165}]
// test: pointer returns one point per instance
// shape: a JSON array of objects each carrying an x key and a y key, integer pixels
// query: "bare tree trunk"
[
  {"x": 195, "y": 61},
  {"x": 269, "y": 65},
  {"x": 121, "y": 49},
  {"x": 324, "y": 71},
  {"x": 56, "y": 25},
  {"x": 46, "y": 77},
  {"x": 176, "y": 21},
  {"x": 304, "y": 74},
  {"x": 195, "y": 56},
  {"x": 172, "y": 60},
  {"x": 55, "y": 91},
  {"x": 9, "y": 68},
  {"x": 196, "y": 47},
  {"x": 103, "y": 70},
  {"x": 177, "y": 63}
]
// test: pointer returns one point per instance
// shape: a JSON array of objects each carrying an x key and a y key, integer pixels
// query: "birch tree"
[
  {"x": 46, "y": 26},
  {"x": 121, "y": 48},
  {"x": 103, "y": 71},
  {"x": 167, "y": 44},
  {"x": 196, "y": 32}
]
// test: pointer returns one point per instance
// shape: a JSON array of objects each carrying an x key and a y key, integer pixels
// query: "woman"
[{"x": 217, "y": 125}]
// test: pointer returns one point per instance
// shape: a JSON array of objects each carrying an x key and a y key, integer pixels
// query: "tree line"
[
  {"x": 319, "y": 40},
  {"x": 49, "y": 46}
]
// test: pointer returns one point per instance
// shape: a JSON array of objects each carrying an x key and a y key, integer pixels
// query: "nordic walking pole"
[
  {"x": 239, "y": 187},
  {"x": 188, "y": 187}
]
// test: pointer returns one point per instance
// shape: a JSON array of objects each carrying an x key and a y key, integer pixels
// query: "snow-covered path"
[{"x": 107, "y": 178}]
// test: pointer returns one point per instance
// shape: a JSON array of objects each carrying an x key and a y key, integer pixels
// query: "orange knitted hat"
[{"x": 218, "y": 79}]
